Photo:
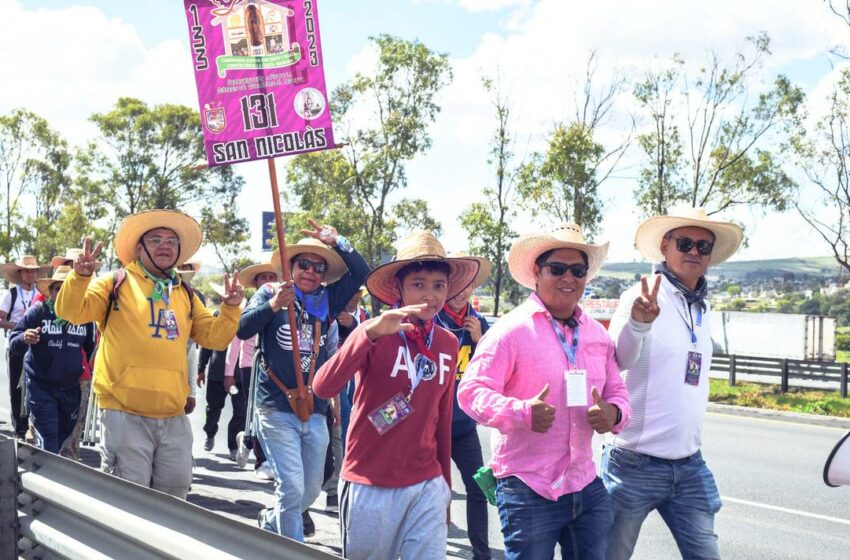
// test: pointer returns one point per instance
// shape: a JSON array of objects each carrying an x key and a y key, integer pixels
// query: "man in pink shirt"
[{"x": 546, "y": 378}]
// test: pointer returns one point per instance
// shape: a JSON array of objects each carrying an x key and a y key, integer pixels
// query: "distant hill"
[{"x": 811, "y": 266}]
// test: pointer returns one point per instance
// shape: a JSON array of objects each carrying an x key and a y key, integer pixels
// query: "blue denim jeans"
[
  {"x": 682, "y": 490},
  {"x": 296, "y": 451},
  {"x": 532, "y": 525}
]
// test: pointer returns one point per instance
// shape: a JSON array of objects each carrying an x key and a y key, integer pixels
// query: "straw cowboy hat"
[
  {"x": 68, "y": 258},
  {"x": 528, "y": 247},
  {"x": 249, "y": 274},
  {"x": 59, "y": 275},
  {"x": 420, "y": 245},
  {"x": 134, "y": 227},
  {"x": 27, "y": 262},
  {"x": 728, "y": 235},
  {"x": 187, "y": 275},
  {"x": 484, "y": 266},
  {"x": 219, "y": 290},
  {"x": 336, "y": 266},
  {"x": 836, "y": 471}
]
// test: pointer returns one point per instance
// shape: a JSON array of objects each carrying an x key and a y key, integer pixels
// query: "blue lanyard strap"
[
  {"x": 569, "y": 351},
  {"x": 690, "y": 325}
]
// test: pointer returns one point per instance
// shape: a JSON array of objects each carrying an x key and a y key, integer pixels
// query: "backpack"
[{"x": 118, "y": 277}]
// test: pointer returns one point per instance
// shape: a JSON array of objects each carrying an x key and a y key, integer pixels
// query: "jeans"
[
  {"x": 532, "y": 525},
  {"x": 682, "y": 490},
  {"x": 296, "y": 451},
  {"x": 466, "y": 454}
]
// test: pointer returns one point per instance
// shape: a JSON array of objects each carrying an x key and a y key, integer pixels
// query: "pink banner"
[{"x": 261, "y": 84}]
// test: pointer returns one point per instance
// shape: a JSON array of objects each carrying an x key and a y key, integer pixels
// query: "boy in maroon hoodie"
[{"x": 396, "y": 476}]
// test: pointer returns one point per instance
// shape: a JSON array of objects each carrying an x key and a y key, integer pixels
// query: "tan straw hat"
[
  {"x": 728, "y": 235},
  {"x": 59, "y": 275},
  {"x": 528, "y": 247},
  {"x": 249, "y": 274},
  {"x": 484, "y": 266},
  {"x": 134, "y": 227},
  {"x": 336, "y": 266},
  {"x": 27, "y": 262},
  {"x": 187, "y": 275},
  {"x": 420, "y": 245}
]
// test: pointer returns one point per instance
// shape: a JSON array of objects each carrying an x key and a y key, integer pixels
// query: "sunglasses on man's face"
[
  {"x": 559, "y": 269},
  {"x": 306, "y": 264},
  {"x": 54, "y": 287},
  {"x": 685, "y": 244}
]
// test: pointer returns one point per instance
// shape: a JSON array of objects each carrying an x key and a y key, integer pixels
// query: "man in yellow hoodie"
[{"x": 141, "y": 369}]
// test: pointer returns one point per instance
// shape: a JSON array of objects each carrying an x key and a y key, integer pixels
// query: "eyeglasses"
[
  {"x": 156, "y": 241},
  {"x": 559, "y": 269},
  {"x": 306, "y": 264},
  {"x": 685, "y": 244}
]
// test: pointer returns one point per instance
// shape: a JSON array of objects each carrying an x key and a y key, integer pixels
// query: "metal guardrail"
[
  {"x": 785, "y": 369},
  {"x": 51, "y": 507}
]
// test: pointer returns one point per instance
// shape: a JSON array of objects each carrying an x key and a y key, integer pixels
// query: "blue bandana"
[{"x": 316, "y": 304}]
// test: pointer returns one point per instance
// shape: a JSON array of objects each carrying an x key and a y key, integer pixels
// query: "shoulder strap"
[
  {"x": 317, "y": 335},
  {"x": 191, "y": 292},
  {"x": 118, "y": 277},
  {"x": 14, "y": 291}
]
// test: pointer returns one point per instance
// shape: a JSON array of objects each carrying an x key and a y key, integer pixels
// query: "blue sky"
[{"x": 141, "y": 48}]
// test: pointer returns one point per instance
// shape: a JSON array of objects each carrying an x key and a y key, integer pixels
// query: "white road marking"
[{"x": 786, "y": 510}]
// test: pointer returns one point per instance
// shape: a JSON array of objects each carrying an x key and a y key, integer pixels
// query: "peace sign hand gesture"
[
  {"x": 84, "y": 264},
  {"x": 324, "y": 233},
  {"x": 232, "y": 290},
  {"x": 390, "y": 321},
  {"x": 645, "y": 308}
]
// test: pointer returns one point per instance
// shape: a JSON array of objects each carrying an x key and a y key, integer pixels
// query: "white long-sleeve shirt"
[{"x": 667, "y": 412}]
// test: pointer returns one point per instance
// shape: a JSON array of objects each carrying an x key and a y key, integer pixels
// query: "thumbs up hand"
[
  {"x": 602, "y": 415},
  {"x": 542, "y": 414}
]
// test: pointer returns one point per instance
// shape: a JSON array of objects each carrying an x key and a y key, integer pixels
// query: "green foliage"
[
  {"x": 734, "y": 139},
  {"x": 562, "y": 182},
  {"x": 842, "y": 342},
  {"x": 769, "y": 396},
  {"x": 733, "y": 289}
]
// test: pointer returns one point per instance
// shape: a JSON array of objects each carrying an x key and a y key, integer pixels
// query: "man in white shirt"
[
  {"x": 662, "y": 332},
  {"x": 21, "y": 276}
]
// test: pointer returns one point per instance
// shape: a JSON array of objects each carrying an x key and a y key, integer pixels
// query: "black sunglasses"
[
  {"x": 55, "y": 287},
  {"x": 559, "y": 269},
  {"x": 305, "y": 264},
  {"x": 685, "y": 244}
]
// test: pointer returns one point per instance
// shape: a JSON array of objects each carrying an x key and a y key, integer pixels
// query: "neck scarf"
[
  {"x": 691, "y": 296},
  {"x": 316, "y": 304},
  {"x": 51, "y": 306},
  {"x": 160, "y": 285},
  {"x": 457, "y": 317},
  {"x": 421, "y": 337}
]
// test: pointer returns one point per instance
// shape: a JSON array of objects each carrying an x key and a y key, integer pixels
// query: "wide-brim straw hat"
[
  {"x": 27, "y": 262},
  {"x": 59, "y": 275},
  {"x": 134, "y": 227},
  {"x": 528, "y": 247},
  {"x": 836, "y": 471},
  {"x": 485, "y": 267},
  {"x": 68, "y": 258},
  {"x": 336, "y": 266},
  {"x": 187, "y": 275},
  {"x": 728, "y": 235},
  {"x": 420, "y": 245},
  {"x": 248, "y": 274}
]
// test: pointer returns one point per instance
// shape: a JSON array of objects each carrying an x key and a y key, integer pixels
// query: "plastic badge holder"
[{"x": 487, "y": 482}]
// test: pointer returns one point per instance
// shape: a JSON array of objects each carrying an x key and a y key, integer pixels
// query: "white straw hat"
[
  {"x": 728, "y": 235},
  {"x": 336, "y": 266},
  {"x": 135, "y": 226},
  {"x": 528, "y": 247},
  {"x": 249, "y": 274}
]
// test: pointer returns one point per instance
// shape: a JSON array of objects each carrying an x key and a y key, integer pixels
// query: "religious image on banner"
[{"x": 260, "y": 79}]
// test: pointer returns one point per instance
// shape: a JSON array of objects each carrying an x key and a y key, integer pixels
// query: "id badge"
[
  {"x": 168, "y": 318},
  {"x": 305, "y": 338},
  {"x": 694, "y": 368},
  {"x": 576, "y": 387},
  {"x": 390, "y": 414}
]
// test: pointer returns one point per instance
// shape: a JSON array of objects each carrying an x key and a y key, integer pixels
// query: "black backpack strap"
[
  {"x": 191, "y": 293},
  {"x": 118, "y": 277},
  {"x": 14, "y": 291}
]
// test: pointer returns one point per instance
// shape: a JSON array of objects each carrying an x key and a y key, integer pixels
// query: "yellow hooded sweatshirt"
[{"x": 138, "y": 369}]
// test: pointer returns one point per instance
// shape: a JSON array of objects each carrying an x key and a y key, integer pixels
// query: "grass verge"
[{"x": 757, "y": 395}]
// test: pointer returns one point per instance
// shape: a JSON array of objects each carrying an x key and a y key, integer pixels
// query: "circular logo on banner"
[
  {"x": 309, "y": 103},
  {"x": 425, "y": 366}
]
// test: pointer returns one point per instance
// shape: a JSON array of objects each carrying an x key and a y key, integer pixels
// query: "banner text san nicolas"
[{"x": 261, "y": 84}]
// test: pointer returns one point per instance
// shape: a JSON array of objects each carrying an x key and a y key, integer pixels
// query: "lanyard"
[
  {"x": 418, "y": 364},
  {"x": 26, "y": 302},
  {"x": 690, "y": 324},
  {"x": 458, "y": 332},
  {"x": 569, "y": 351}
]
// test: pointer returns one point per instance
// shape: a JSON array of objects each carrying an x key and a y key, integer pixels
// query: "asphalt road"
[{"x": 769, "y": 472}]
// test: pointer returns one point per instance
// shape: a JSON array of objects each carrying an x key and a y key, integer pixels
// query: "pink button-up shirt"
[
  {"x": 517, "y": 357},
  {"x": 242, "y": 349}
]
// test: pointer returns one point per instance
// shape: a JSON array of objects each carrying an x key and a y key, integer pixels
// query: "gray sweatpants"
[
  {"x": 385, "y": 523},
  {"x": 153, "y": 452}
]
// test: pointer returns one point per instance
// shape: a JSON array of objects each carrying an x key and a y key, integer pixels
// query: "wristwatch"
[{"x": 343, "y": 244}]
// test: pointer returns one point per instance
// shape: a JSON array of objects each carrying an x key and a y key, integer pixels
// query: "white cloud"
[{"x": 478, "y": 5}]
